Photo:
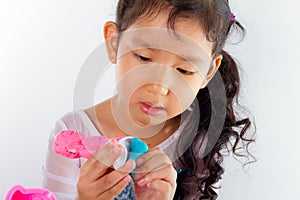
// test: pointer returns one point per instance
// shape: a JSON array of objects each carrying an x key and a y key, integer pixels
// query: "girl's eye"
[
  {"x": 141, "y": 58},
  {"x": 145, "y": 59},
  {"x": 185, "y": 72}
]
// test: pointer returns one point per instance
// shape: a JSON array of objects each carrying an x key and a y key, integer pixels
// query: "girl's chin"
[{"x": 147, "y": 122}]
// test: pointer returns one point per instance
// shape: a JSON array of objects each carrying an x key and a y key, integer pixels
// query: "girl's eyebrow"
[{"x": 141, "y": 43}]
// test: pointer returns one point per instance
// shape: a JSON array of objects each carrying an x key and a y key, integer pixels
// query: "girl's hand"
[
  {"x": 97, "y": 180},
  {"x": 155, "y": 175}
]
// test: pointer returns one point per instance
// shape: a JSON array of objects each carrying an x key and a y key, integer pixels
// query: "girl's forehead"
[{"x": 185, "y": 26}]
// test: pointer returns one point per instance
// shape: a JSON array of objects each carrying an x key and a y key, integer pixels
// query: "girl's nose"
[{"x": 157, "y": 89}]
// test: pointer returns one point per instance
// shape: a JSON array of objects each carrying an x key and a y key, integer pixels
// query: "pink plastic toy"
[
  {"x": 20, "y": 193},
  {"x": 73, "y": 144}
]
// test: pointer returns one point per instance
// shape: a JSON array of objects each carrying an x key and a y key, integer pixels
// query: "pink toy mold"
[{"x": 18, "y": 192}]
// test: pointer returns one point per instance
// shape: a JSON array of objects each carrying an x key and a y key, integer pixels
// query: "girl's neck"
[{"x": 102, "y": 117}]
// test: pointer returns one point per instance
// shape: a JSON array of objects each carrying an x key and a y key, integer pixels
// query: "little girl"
[{"x": 176, "y": 90}]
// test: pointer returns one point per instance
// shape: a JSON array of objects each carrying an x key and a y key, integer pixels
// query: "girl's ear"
[
  {"x": 111, "y": 31},
  {"x": 213, "y": 69}
]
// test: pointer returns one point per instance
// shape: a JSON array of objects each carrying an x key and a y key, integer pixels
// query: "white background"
[{"x": 43, "y": 44}]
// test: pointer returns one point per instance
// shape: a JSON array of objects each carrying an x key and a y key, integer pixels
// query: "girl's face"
[{"x": 158, "y": 73}]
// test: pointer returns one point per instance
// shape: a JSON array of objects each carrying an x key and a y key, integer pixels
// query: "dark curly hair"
[{"x": 199, "y": 174}]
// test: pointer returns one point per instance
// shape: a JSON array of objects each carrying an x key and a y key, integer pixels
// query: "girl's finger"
[
  {"x": 144, "y": 171},
  {"x": 140, "y": 172},
  {"x": 167, "y": 173},
  {"x": 109, "y": 181},
  {"x": 155, "y": 163},
  {"x": 107, "y": 147},
  {"x": 147, "y": 156},
  {"x": 104, "y": 163},
  {"x": 162, "y": 187},
  {"x": 103, "y": 159},
  {"x": 117, "y": 189}
]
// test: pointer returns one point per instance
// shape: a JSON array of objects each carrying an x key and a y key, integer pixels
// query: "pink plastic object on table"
[{"x": 20, "y": 193}]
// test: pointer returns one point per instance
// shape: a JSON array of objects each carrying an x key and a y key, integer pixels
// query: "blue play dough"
[{"x": 137, "y": 148}]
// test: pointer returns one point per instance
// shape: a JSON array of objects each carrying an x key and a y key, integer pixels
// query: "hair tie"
[{"x": 232, "y": 17}]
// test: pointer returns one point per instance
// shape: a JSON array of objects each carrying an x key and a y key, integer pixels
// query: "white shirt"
[{"x": 60, "y": 173}]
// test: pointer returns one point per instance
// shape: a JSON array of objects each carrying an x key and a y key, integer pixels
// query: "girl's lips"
[{"x": 149, "y": 109}]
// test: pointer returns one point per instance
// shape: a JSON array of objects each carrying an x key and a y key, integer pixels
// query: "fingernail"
[{"x": 116, "y": 150}]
